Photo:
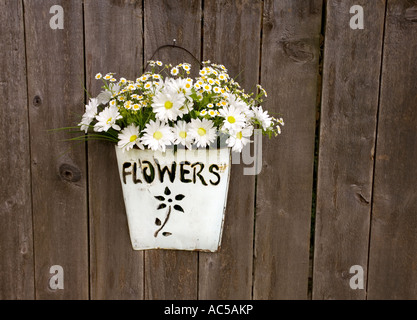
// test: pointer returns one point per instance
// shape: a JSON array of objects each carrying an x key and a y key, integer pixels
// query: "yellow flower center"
[
  {"x": 183, "y": 134},
  {"x": 157, "y": 135},
  {"x": 231, "y": 119},
  {"x": 109, "y": 120},
  {"x": 239, "y": 135},
  {"x": 133, "y": 138},
  {"x": 168, "y": 105},
  {"x": 201, "y": 131}
]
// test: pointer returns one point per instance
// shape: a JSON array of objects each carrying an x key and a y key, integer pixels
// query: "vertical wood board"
[
  {"x": 352, "y": 60},
  {"x": 55, "y": 70},
  {"x": 113, "y": 32},
  {"x": 16, "y": 241},
  {"x": 393, "y": 246},
  {"x": 289, "y": 73}
]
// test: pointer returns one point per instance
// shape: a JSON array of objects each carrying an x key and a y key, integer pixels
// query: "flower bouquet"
[{"x": 173, "y": 136}]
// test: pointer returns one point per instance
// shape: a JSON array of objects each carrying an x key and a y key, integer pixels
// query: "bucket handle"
[{"x": 173, "y": 46}]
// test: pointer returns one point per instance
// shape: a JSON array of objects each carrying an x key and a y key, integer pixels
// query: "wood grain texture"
[
  {"x": 393, "y": 246},
  {"x": 352, "y": 61},
  {"x": 55, "y": 70},
  {"x": 16, "y": 241},
  {"x": 113, "y": 34},
  {"x": 171, "y": 274},
  {"x": 289, "y": 70},
  {"x": 228, "y": 273}
]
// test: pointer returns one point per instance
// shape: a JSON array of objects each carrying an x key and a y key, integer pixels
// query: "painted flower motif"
[{"x": 166, "y": 200}]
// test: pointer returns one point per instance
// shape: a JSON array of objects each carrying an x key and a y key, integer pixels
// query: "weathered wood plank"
[
  {"x": 228, "y": 273},
  {"x": 171, "y": 274},
  {"x": 55, "y": 68},
  {"x": 113, "y": 33},
  {"x": 16, "y": 241},
  {"x": 352, "y": 60},
  {"x": 290, "y": 59},
  {"x": 393, "y": 258}
]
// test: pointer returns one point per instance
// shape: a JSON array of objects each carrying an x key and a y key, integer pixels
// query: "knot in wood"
[
  {"x": 69, "y": 173},
  {"x": 37, "y": 101}
]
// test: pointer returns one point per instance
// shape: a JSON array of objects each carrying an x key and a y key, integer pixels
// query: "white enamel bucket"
[{"x": 175, "y": 200}]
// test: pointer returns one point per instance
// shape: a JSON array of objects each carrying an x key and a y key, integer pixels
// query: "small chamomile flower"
[
  {"x": 212, "y": 113},
  {"x": 217, "y": 90},
  {"x": 128, "y": 104},
  {"x": 203, "y": 112},
  {"x": 222, "y": 77},
  {"x": 98, "y": 76},
  {"x": 148, "y": 85},
  {"x": 174, "y": 71},
  {"x": 207, "y": 87}
]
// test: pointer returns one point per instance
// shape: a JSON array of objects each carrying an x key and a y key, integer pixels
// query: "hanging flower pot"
[
  {"x": 164, "y": 125},
  {"x": 175, "y": 200}
]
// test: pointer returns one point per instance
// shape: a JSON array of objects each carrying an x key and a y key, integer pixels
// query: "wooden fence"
[{"x": 337, "y": 189}]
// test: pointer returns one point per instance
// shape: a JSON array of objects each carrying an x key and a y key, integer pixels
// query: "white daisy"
[
  {"x": 168, "y": 104},
  {"x": 180, "y": 85},
  {"x": 238, "y": 139},
  {"x": 129, "y": 137},
  {"x": 157, "y": 135},
  {"x": 233, "y": 118},
  {"x": 107, "y": 118},
  {"x": 181, "y": 135},
  {"x": 89, "y": 115},
  {"x": 202, "y": 132},
  {"x": 262, "y": 116}
]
